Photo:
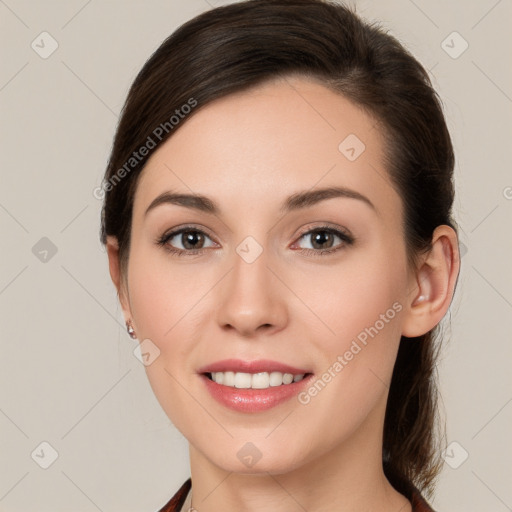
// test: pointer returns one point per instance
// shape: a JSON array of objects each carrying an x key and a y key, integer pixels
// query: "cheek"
[
  {"x": 164, "y": 303},
  {"x": 163, "y": 297},
  {"x": 168, "y": 305},
  {"x": 363, "y": 312},
  {"x": 348, "y": 298},
  {"x": 360, "y": 306}
]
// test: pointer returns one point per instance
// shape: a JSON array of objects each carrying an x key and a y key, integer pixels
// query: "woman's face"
[{"x": 249, "y": 280}]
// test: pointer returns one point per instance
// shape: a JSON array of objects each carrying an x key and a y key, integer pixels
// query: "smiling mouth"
[{"x": 261, "y": 380}]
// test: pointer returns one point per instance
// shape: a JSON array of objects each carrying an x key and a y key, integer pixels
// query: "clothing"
[{"x": 180, "y": 502}]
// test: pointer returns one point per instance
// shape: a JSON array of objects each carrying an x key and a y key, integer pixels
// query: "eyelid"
[
  {"x": 327, "y": 226},
  {"x": 189, "y": 227}
]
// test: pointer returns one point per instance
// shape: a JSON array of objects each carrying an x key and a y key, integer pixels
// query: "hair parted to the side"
[{"x": 238, "y": 46}]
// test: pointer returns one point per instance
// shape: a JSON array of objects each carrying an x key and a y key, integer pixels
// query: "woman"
[{"x": 278, "y": 225}]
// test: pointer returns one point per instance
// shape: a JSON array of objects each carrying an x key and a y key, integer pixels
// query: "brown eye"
[
  {"x": 323, "y": 240},
  {"x": 185, "y": 240},
  {"x": 192, "y": 239}
]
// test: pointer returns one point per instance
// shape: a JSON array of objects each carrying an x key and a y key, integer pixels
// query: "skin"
[{"x": 248, "y": 152}]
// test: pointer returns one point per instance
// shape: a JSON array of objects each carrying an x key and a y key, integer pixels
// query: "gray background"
[{"x": 68, "y": 375}]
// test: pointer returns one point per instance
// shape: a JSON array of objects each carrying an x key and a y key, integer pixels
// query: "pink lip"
[
  {"x": 252, "y": 400},
  {"x": 260, "y": 365}
]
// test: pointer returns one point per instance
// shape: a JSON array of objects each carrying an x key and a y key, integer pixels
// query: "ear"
[
  {"x": 115, "y": 273},
  {"x": 433, "y": 284}
]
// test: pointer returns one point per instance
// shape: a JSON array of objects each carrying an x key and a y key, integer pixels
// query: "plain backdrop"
[{"x": 68, "y": 375}]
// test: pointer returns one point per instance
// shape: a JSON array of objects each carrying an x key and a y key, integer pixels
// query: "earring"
[
  {"x": 421, "y": 298},
  {"x": 130, "y": 330}
]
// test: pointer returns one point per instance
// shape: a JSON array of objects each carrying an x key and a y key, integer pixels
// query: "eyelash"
[{"x": 344, "y": 236}]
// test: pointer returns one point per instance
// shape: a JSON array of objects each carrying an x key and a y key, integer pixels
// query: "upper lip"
[{"x": 257, "y": 366}]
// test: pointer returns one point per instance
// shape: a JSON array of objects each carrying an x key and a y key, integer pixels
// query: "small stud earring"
[
  {"x": 421, "y": 298},
  {"x": 130, "y": 330}
]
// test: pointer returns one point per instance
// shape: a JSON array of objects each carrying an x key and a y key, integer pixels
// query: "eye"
[
  {"x": 191, "y": 240},
  {"x": 322, "y": 240}
]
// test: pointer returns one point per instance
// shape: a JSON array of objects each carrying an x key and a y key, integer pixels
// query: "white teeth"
[
  {"x": 229, "y": 379},
  {"x": 261, "y": 380},
  {"x": 243, "y": 380},
  {"x": 287, "y": 378}
]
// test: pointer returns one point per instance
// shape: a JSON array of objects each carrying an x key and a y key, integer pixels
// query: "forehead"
[{"x": 258, "y": 146}]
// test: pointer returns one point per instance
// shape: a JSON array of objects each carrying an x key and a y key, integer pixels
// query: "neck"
[{"x": 348, "y": 478}]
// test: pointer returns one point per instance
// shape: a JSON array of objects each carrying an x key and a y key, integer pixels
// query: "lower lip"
[{"x": 253, "y": 400}]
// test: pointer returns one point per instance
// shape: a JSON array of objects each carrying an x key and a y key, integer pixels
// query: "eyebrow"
[{"x": 297, "y": 201}]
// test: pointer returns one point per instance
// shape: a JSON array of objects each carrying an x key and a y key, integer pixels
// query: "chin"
[{"x": 248, "y": 460}]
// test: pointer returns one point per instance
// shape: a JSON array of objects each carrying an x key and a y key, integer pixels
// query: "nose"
[{"x": 251, "y": 299}]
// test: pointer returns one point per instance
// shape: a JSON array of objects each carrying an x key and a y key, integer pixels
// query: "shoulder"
[{"x": 176, "y": 502}]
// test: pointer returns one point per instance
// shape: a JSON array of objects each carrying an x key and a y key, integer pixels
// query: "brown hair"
[{"x": 238, "y": 46}]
